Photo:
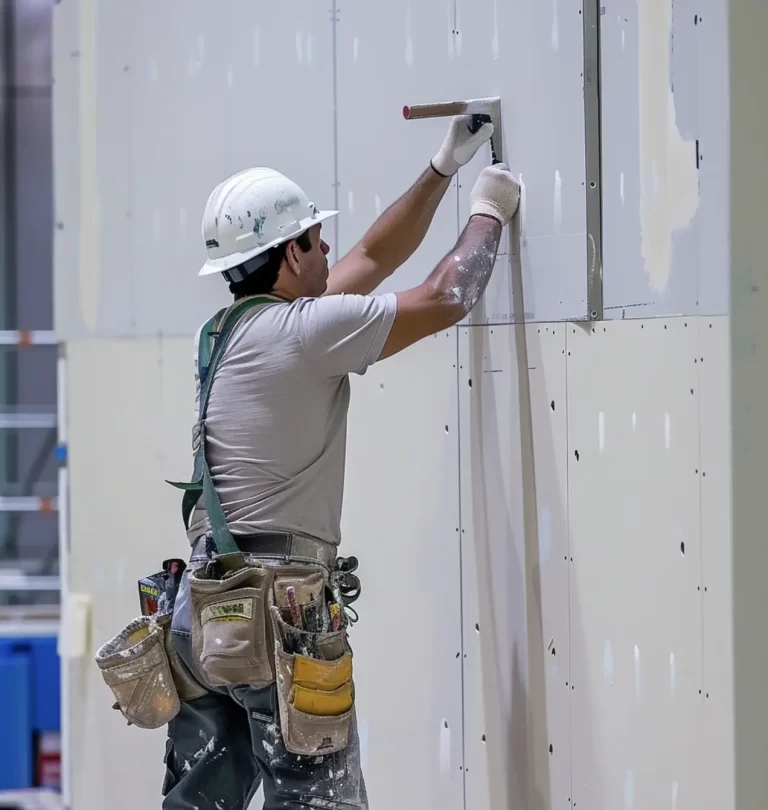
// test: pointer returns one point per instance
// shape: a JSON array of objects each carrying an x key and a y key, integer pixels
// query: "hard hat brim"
[{"x": 234, "y": 260}]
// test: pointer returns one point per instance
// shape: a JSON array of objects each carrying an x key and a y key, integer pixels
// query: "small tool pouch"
[
  {"x": 230, "y": 636},
  {"x": 315, "y": 687},
  {"x": 135, "y": 666}
]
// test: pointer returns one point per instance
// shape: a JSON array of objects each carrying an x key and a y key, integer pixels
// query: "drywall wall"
[{"x": 519, "y": 495}]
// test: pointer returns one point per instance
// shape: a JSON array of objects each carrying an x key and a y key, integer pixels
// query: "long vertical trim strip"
[{"x": 592, "y": 124}]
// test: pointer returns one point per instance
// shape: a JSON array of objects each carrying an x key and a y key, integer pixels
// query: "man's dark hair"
[{"x": 262, "y": 281}]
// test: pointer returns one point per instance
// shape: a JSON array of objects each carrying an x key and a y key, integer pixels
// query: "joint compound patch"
[{"x": 236, "y": 610}]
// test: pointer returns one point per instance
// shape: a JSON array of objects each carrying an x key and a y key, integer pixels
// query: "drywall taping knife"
[{"x": 482, "y": 110}]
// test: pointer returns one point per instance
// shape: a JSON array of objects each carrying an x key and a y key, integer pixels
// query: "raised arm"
[
  {"x": 399, "y": 231},
  {"x": 453, "y": 288}
]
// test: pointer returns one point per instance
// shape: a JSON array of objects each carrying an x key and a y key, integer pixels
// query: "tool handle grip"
[{"x": 477, "y": 122}]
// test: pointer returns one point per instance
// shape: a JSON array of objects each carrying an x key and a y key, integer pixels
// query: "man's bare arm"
[
  {"x": 454, "y": 287},
  {"x": 451, "y": 290},
  {"x": 400, "y": 230},
  {"x": 392, "y": 239}
]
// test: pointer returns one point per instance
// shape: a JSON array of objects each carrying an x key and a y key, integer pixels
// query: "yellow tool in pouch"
[
  {"x": 135, "y": 666},
  {"x": 325, "y": 676},
  {"x": 323, "y": 704}
]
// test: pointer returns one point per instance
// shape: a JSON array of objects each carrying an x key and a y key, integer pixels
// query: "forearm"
[
  {"x": 462, "y": 276},
  {"x": 399, "y": 231}
]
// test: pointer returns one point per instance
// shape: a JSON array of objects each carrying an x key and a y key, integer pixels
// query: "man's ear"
[{"x": 292, "y": 257}]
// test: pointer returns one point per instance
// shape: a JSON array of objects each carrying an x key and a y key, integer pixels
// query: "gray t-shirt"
[{"x": 277, "y": 414}]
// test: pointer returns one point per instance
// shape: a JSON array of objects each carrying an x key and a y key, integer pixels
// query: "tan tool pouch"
[
  {"x": 135, "y": 666},
  {"x": 187, "y": 687},
  {"x": 231, "y": 638},
  {"x": 315, "y": 687}
]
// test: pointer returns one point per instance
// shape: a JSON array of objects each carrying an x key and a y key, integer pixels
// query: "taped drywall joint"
[{"x": 669, "y": 182}]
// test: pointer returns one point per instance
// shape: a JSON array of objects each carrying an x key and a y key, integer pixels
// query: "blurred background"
[{"x": 29, "y": 582}]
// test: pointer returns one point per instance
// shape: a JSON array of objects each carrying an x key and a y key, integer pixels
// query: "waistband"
[{"x": 276, "y": 545}]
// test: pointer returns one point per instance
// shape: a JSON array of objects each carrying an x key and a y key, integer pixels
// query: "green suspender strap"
[{"x": 214, "y": 337}]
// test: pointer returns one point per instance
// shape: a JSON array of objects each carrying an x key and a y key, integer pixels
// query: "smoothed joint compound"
[
  {"x": 495, "y": 44},
  {"x": 90, "y": 220},
  {"x": 256, "y": 47},
  {"x": 408, "y": 37},
  {"x": 601, "y": 431},
  {"x": 555, "y": 27},
  {"x": 629, "y": 791},
  {"x": 309, "y": 48},
  {"x": 669, "y": 182},
  {"x": 445, "y": 748},
  {"x": 637, "y": 671}
]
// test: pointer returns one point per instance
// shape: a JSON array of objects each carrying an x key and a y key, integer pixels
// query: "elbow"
[{"x": 450, "y": 303}]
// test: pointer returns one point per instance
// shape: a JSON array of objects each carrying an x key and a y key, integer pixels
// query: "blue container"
[
  {"x": 30, "y": 704},
  {"x": 16, "y": 746}
]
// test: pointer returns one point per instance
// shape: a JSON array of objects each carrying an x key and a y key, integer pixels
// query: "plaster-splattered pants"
[{"x": 222, "y": 746}]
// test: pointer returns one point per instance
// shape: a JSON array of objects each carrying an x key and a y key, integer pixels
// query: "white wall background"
[{"x": 541, "y": 510}]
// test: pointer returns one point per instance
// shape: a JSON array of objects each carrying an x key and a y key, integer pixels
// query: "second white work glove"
[
  {"x": 496, "y": 194},
  {"x": 460, "y": 145}
]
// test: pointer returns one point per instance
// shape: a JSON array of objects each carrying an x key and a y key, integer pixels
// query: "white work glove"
[
  {"x": 496, "y": 193},
  {"x": 460, "y": 145}
]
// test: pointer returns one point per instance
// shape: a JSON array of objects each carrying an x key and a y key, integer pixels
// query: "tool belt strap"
[{"x": 214, "y": 337}]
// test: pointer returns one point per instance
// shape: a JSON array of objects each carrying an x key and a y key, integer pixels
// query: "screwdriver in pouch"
[{"x": 290, "y": 593}]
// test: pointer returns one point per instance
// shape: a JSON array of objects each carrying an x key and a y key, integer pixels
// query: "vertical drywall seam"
[
  {"x": 334, "y": 32},
  {"x": 592, "y": 128},
  {"x": 90, "y": 220},
  {"x": 701, "y": 471},
  {"x": 569, "y": 555},
  {"x": 461, "y": 573}
]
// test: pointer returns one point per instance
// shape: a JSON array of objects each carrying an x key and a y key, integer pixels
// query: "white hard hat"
[{"x": 251, "y": 212}]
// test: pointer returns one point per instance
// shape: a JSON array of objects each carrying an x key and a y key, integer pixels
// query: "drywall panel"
[
  {"x": 515, "y": 566},
  {"x": 401, "y": 519},
  {"x": 390, "y": 55},
  {"x": 162, "y": 106},
  {"x": 496, "y": 46},
  {"x": 130, "y": 417},
  {"x": 664, "y": 152},
  {"x": 716, "y": 551},
  {"x": 639, "y": 713}
]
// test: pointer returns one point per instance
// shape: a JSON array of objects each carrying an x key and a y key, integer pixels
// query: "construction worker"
[{"x": 272, "y": 698}]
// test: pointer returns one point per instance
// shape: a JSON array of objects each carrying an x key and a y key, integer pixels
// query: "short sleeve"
[
  {"x": 345, "y": 334},
  {"x": 197, "y": 370}
]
